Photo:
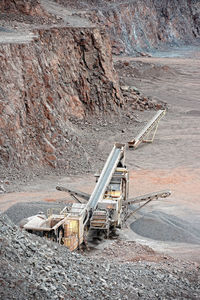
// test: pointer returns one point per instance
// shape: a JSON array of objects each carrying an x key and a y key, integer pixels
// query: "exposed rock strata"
[
  {"x": 68, "y": 72},
  {"x": 142, "y": 25},
  {"x": 64, "y": 72},
  {"x": 148, "y": 24},
  {"x": 27, "y": 7}
]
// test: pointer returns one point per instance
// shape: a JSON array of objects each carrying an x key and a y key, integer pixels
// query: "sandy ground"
[{"x": 172, "y": 161}]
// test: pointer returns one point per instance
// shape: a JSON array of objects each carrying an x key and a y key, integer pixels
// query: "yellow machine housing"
[{"x": 73, "y": 227}]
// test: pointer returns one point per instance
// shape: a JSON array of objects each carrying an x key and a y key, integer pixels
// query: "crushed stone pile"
[
  {"x": 164, "y": 227},
  {"x": 127, "y": 251},
  {"x": 135, "y": 100},
  {"x": 34, "y": 268},
  {"x": 20, "y": 211}
]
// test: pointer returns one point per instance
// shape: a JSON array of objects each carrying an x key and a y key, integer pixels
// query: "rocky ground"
[{"x": 32, "y": 268}]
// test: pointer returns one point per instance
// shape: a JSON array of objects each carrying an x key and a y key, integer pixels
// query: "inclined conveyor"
[
  {"x": 148, "y": 128},
  {"x": 114, "y": 158}
]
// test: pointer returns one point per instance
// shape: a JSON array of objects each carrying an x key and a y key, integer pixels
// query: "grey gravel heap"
[
  {"x": 34, "y": 268},
  {"x": 158, "y": 225}
]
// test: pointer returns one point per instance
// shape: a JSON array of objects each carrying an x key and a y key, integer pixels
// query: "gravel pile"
[
  {"x": 33, "y": 268},
  {"x": 160, "y": 226},
  {"x": 19, "y": 211}
]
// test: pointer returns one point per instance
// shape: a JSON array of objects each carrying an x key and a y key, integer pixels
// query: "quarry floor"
[{"x": 171, "y": 162}]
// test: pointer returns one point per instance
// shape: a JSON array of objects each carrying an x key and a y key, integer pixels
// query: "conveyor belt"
[
  {"x": 152, "y": 124},
  {"x": 115, "y": 156},
  {"x": 146, "y": 197},
  {"x": 74, "y": 192}
]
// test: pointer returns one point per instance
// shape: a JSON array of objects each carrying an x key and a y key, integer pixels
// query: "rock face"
[
  {"x": 65, "y": 72},
  {"x": 27, "y": 7},
  {"x": 142, "y": 25},
  {"x": 148, "y": 24}
]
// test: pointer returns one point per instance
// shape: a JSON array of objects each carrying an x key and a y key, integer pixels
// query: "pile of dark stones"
[{"x": 35, "y": 268}]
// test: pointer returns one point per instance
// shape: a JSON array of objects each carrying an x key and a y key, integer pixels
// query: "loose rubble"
[
  {"x": 136, "y": 101},
  {"x": 34, "y": 268}
]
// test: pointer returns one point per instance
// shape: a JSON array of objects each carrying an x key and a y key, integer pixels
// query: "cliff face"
[
  {"x": 28, "y": 7},
  {"x": 65, "y": 72},
  {"x": 149, "y": 24},
  {"x": 139, "y": 25}
]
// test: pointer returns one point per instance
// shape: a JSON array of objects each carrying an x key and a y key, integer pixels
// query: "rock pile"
[
  {"x": 131, "y": 71},
  {"x": 136, "y": 101},
  {"x": 20, "y": 211},
  {"x": 164, "y": 227},
  {"x": 33, "y": 268}
]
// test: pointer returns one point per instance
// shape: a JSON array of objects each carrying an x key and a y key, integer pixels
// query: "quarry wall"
[
  {"x": 28, "y": 7},
  {"x": 67, "y": 72},
  {"x": 63, "y": 73},
  {"x": 143, "y": 25},
  {"x": 136, "y": 26}
]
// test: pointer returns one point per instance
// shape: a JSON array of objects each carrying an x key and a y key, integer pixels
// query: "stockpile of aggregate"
[
  {"x": 164, "y": 227},
  {"x": 20, "y": 211},
  {"x": 34, "y": 268}
]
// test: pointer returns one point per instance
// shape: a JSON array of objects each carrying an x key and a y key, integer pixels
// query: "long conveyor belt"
[
  {"x": 115, "y": 156},
  {"x": 146, "y": 197},
  {"x": 153, "y": 123},
  {"x": 74, "y": 192}
]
